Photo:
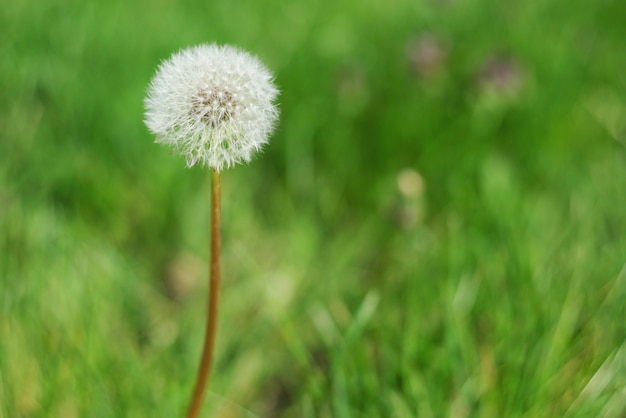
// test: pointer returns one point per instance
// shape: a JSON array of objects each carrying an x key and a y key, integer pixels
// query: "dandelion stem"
[{"x": 214, "y": 292}]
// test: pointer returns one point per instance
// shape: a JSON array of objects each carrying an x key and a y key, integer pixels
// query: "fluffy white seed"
[{"x": 213, "y": 104}]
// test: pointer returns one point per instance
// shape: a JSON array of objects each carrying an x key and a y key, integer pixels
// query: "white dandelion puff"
[{"x": 213, "y": 104}]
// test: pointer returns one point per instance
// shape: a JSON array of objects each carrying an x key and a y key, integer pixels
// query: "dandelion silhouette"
[{"x": 215, "y": 106}]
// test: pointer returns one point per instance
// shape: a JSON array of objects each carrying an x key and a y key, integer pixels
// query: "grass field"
[{"x": 437, "y": 228}]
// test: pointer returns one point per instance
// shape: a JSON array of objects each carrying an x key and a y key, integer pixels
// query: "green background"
[{"x": 436, "y": 229}]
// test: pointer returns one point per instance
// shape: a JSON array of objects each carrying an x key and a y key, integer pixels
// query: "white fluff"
[{"x": 213, "y": 104}]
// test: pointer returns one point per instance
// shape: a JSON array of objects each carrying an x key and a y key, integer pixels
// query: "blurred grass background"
[{"x": 436, "y": 229}]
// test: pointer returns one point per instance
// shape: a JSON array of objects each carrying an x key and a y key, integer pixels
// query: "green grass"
[{"x": 499, "y": 290}]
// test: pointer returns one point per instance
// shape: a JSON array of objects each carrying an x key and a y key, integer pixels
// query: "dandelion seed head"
[{"x": 213, "y": 104}]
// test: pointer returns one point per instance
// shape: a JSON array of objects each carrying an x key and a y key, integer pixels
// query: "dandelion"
[{"x": 214, "y": 105}]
